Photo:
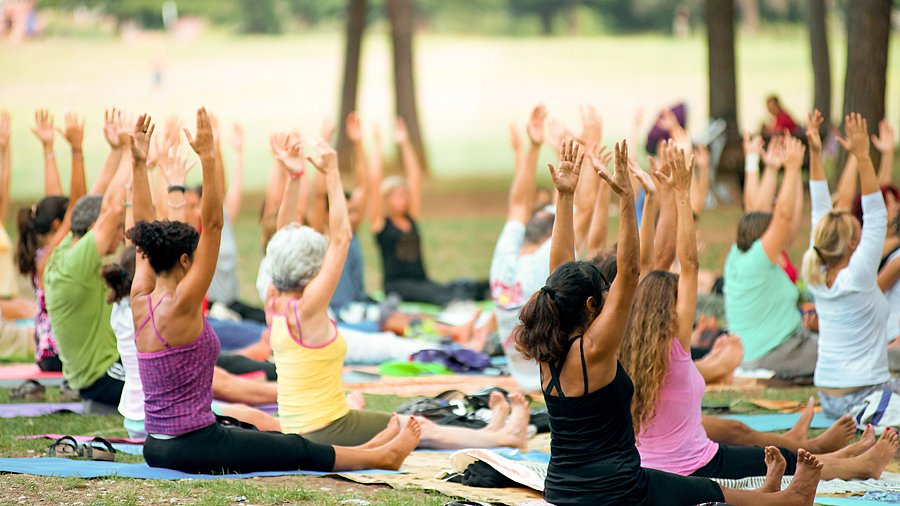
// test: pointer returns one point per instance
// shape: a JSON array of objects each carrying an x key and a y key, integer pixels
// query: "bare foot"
[
  {"x": 499, "y": 411},
  {"x": 383, "y": 437},
  {"x": 396, "y": 450},
  {"x": 858, "y": 448},
  {"x": 802, "y": 490},
  {"x": 800, "y": 430},
  {"x": 880, "y": 455},
  {"x": 775, "y": 465},
  {"x": 836, "y": 437},
  {"x": 517, "y": 425}
]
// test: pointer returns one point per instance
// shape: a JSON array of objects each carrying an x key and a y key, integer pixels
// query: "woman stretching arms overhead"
[
  {"x": 574, "y": 331},
  {"x": 177, "y": 348}
]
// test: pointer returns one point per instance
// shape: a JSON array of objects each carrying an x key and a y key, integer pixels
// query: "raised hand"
[
  {"x": 237, "y": 137},
  {"x": 856, "y": 140},
  {"x": 535, "y": 127},
  {"x": 278, "y": 142},
  {"x": 327, "y": 129},
  {"x": 752, "y": 145},
  {"x": 140, "y": 138},
  {"x": 793, "y": 153},
  {"x": 515, "y": 138},
  {"x": 203, "y": 144},
  {"x": 326, "y": 162},
  {"x": 292, "y": 158},
  {"x": 401, "y": 134},
  {"x": 4, "y": 130},
  {"x": 565, "y": 176},
  {"x": 175, "y": 166},
  {"x": 619, "y": 181},
  {"x": 74, "y": 131},
  {"x": 43, "y": 127},
  {"x": 813, "y": 125},
  {"x": 701, "y": 155},
  {"x": 354, "y": 130},
  {"x": 214, "y": 125},
  {"x": 884, "y": 142},
  {"x": 591, "y": 127},
  {"x": 600, "y": 157},
  {"x": 642, "y": 177},
  {"x": 773, "y": 156},
  {"x": 682, "y": 172},
  {"x": 556, "y": 132}
]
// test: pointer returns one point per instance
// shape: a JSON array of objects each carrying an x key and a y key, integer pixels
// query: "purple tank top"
[{"x": 178, "y": 382}]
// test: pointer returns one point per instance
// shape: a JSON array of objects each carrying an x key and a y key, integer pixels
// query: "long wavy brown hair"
[{"x": 645, "y": 350}]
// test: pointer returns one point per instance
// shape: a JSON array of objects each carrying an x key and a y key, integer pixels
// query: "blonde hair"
[
  {"x": 831, "y": 240},
  {"x": 648, "y": 343}
]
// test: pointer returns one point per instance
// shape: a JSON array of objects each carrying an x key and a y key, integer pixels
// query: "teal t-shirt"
[
  {"x": 760, "y": 301},
  {"x": 79, "y": 313}
]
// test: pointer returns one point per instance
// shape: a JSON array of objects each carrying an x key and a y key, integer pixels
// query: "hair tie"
[
  {"x": 819, "y": 252},
  {"x": 549, "y": 291},
  {"x": 33, "y": 211}
]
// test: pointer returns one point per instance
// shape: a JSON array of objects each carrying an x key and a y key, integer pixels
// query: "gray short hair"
[
  {"x": 295, "y": 254},
  {"x": 85, "y": 213}
]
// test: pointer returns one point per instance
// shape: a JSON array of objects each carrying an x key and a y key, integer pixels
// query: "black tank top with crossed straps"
[{"x": 593, "y": 458}]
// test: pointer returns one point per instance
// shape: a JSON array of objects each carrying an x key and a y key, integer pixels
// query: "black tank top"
[
  {"x": 401, "y": 252},
  {"x": 593, "y": 458}
]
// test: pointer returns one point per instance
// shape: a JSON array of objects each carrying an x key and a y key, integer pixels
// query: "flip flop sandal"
[
  {"x": 30, "y": 390},
  {"x": 67, "y": 394},
  {"x": 97, "y": 449},
  {"x": 65, "y": 447}
]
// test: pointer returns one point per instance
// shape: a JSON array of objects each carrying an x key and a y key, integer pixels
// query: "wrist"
[
  {"x": 77, "y": 151},
  {"x": 177, "y": 188},
  {"x": 208, "y": 158},
  {"x": 48, "y": 148}
]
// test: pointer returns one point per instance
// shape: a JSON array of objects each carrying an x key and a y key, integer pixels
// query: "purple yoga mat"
[
  {"x": 86, "y": 439},
  {"x": 38, "y": 409}
]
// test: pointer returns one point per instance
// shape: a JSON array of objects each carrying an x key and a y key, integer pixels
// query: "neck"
[{"x": 168, "y": 282}]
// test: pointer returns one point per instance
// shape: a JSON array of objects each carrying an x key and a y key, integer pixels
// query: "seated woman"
[
  {"x": 397, "y": 235},
  {"x": 666, "y": 409},
  {"x": 573, "y": 327},
  {"x": 176, "y": 347},
  {"x": 841, "y": 270},
  {"x": 309, "y": 350}
]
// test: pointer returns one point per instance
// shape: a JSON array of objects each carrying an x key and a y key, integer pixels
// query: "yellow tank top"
[
  {"x": 8, "y": 283},
  {"x": 310, "y": 386}
]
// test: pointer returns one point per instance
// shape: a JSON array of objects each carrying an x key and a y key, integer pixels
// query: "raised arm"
[
  {"x": 376, "y": 174},
  {"x": 521, "y": 192},
  {"x": 236, "y": 184},
  {"x": 43, "y": 130},
  {"x": 648, "y": 219},
  {"x": 142, "y": 200},
  {"x": 565, "y": 178},
  {"x": 884, "y": 143},
  {"x": 412, "y": 167},
  {"x": 753, "y": 148},
  {"x": 293, "y": 162},
  {"x": 74, "y": 135},
  {"x": 586, "y": 194},
  {"x": 107, "y": 230},
  {"x": 193, "y": 288},
  {"x": 596, "y": 241},
  {"x": 778, "y": 235},
  {"x": 773, "y": 160},
  {"x": 174, "y": 169},
  {"x": 686, "y": 305},
  {"x": 700, "y": 190},
  {"x": 857, "y": 144},
  {"x": 318, "y": 293},
  {"x": 118, "y": 135},
  {"x": 664, "y": 239},
  {"x": 814, "y": 140},
  {"x": 5, "y": 166},
  {"x": 278, "y": 141},
  {"x": 846, "y": 190},
  {"x": 603, "y": 338}
]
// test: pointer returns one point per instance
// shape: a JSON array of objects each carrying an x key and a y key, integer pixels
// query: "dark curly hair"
[
  {"x": 34, "y": 222},
  {"x": 119, "y": 276},
  {"x": 163, "y": 242}
]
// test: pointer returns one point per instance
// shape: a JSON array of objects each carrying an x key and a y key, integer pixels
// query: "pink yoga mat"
[
  {"x": 85, "y": 439},
  {"x": 25, "y": 372}
]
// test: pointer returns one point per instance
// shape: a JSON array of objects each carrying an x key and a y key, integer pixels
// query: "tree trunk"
[
  {"x": 402, "y": 18},
  {"x": 868, "y": 31},
  {"x": 818, "y": 43},
  {"x": 356, "y": 26},
  {"x": 722, "y": 80}
]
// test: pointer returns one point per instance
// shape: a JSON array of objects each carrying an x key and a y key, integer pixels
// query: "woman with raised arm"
[
  {"x": 669, "y": 389},
  {"x": 177, "y": 347},
  {"x": 841, "y": 269},
  {"x": 397, "y": 234},
  {"x": 574, "y": 329}
]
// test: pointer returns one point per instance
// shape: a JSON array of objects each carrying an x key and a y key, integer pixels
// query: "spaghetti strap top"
[
  {"x": 593, "y": 458},
  {"x": 310, "y": 385},
  {"x": 151, "y": 318}
]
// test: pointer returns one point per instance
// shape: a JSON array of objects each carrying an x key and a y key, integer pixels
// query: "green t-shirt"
[
  {"x": 79, "y": 313},
  {"x": 760, "y": 301}
]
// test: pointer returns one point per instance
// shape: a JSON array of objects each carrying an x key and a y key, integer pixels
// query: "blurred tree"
[
  {"x": 818, "y": 42},
  {"x": 356, "y": 26},
  {"x": 545, "y": 10},
  {"x": 259, "y": 16},
  {"x": 402, "y": 19},
  {"x": 722, "y": 79},
  {"x": 868, "y": 32},
  {"x": 313, "y": 12}
]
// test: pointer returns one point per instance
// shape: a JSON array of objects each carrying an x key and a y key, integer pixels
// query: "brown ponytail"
[{"x": 34, "y": 223}]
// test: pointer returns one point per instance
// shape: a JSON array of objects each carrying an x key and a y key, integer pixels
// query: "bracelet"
[
  {"x": 177, "y": 188},
  {"x": 126, "y": 204},
  {"x": 297, "y": 175},
  {"x": 176, "y": 206},
  {"x": 50, "y": 155}
]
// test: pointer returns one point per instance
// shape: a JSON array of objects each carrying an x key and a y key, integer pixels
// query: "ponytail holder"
[
  {"x": 549, "y": 291},
  {"x": 819, "y": 252},
  {"x": 33, "y": 211}
]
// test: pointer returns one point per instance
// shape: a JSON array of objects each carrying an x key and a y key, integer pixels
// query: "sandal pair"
[{"x": 97, "y": 449}]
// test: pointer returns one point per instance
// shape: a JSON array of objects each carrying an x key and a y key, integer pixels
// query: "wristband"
[
  {"x": 126, "y": 204},
  {"x": 297, "y": 175},
  {"x": 177, "y": 188},
  {"x": 751, "y": 163}
]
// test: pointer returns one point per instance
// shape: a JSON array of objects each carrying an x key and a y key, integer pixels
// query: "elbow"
[
  {"x": 213, "y": 221},
  {"x": 343, "y": 235}
]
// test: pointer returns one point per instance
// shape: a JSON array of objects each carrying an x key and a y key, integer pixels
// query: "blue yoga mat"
[
  {"x": 849, "y": 501},
  {"x": 780, "y": 421},
  {"x": 66, "y": 468}
]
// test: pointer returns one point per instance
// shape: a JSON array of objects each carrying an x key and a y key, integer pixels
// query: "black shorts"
[
  {"x": 219, "y": 449},
  {"x": 736, "y": 462},
  {"x": 50, "y": 364},
  {"x": 108, "y": 389}
]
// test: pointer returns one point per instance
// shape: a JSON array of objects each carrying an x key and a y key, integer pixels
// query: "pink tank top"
[
  {"x": 178, "y": 381},
  {"x": 675, "y": 441}
]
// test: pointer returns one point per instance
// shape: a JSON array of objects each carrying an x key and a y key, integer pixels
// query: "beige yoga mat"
[{"x": 432, "y": 385}]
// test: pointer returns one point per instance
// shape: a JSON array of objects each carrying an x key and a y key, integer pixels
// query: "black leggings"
[
  {"x": 108, "y": 389},
  {"x": 219, "y": 449},
  {"x": 50, "y": 364},
  {"x": 439, "y": 294},
  {"x": 248, "y": 312},
  {"x": 736, "y": 462},
  {"x": 239, "y": 364},
  {"x": 674, "y": 490}
]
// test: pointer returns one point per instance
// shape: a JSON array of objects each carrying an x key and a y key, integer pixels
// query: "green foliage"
[{"x": 259, "y": 16}]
